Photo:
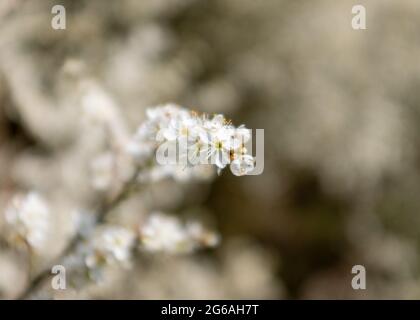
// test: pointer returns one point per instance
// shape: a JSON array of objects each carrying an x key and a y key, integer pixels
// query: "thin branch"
[{"x": 101, "y": 214}]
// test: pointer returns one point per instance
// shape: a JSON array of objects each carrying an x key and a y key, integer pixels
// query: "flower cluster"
[
  {"x": 109, "y": 245},
  {"x": 192, "y": 140},
  {"x": 28, "y": 218},
  {"x": 164, "y": 233}
]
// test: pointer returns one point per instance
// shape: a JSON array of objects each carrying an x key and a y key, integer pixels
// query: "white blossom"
[
  {"x": 199, "y": 139},
  {"x": 220, "y": 147},
  {"x": 164, "y": 233},
  {"x": 110, "y": 245},
  {"x": 242, "y": 165},
  {"x": 28, "y": 218}
]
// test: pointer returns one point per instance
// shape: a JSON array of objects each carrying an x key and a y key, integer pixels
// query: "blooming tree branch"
[{"x": 200, "y": 143}]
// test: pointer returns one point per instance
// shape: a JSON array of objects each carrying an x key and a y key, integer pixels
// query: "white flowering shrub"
[{"x": 202, "y": 143}]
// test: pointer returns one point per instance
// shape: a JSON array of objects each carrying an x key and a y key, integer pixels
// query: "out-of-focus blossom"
[
  {"x": 28, "y": 218},
  {"x": 109, "y": 169},
  {"x": 202, "y": 236},
  {"x": 164, "y": 233},
  {"x": 110, "y": 245},
  {"x": 103, "y": 171},
  {"x": 140, "y": 151},
  {"x": 97, "y": 107}
]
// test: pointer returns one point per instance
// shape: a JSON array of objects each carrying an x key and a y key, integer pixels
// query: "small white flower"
[
  {"x": 240, "y": 137},
  {"x": 28, "y": 217},
  {"x": 216, "y": 123},
  {"x": 219, "y": 148},
  {"x": 165, "y": 113},
  {"x": 181, "y": 129},
  {"x": 196, "y": 153},
  {"x": 242, "y": 165}
]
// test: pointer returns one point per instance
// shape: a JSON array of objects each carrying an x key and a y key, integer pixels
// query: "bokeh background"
[{"x": 341, "y": 114}]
